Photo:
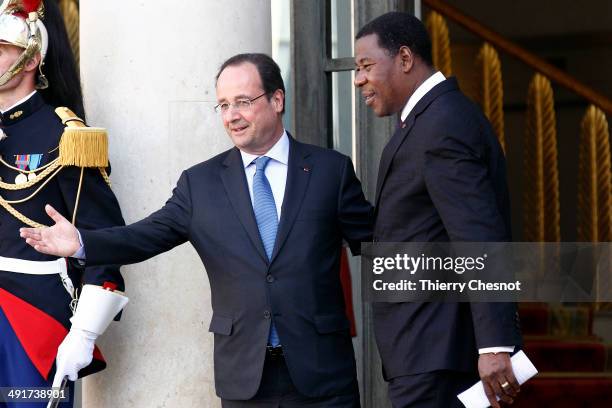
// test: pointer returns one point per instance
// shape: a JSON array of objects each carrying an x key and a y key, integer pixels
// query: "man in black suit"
[
  {"x": 267, "y": 218},
  {"x": 442, "y": 177}
]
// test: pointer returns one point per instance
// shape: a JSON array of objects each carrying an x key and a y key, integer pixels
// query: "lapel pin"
[{"x": 307, "y": 169}]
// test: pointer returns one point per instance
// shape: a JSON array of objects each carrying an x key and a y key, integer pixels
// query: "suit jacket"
[
  {"x": 442, "y": 177},
  {"x": 299, "y": 287}
]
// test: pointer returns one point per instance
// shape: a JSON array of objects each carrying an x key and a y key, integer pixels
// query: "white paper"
[{"x": 475, "y": 397}]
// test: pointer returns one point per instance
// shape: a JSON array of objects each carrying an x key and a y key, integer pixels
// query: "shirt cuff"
[
  {"x": 80, "y": 253},
  {"x": 500, "y": 349}
]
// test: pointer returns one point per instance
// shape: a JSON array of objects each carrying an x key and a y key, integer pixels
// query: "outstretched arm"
[{"x": 159, "y": 232}]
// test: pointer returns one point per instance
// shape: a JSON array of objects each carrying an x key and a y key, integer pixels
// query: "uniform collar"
[{"x": 22, "y": 109}]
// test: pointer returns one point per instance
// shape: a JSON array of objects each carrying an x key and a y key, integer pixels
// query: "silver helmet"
[{"x": 21, "y": 25}]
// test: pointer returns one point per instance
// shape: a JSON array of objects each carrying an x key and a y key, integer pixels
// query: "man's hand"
[
  {"x": 62, "y": 239},
  {"x": 75, "y": 353},
  {"x": 497, "y": 378}
]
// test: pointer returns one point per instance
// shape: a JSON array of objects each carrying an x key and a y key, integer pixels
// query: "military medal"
[
  {"x": 33, "y": 164},
  {"x": 21, "y": 178},
  {"x": 22, "y": 161},
  {"x": 29, "y": 161}
]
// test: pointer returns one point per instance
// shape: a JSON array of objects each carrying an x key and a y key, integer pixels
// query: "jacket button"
[
  {"x": 267, "y": 314},
  {"x": 270, "y": 278}
]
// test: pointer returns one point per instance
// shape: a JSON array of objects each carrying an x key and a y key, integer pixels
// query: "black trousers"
[
  {"x": 277, "y": 391},
  {"x": 437, "y": 389}
]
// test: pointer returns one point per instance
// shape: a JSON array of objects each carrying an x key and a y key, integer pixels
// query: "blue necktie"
[{"x": 267, "y": 219}]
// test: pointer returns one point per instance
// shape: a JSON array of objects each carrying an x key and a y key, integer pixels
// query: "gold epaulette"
[{"x": 81, "y": 145}]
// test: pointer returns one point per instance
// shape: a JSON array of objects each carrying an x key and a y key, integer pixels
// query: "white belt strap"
[{"x": 39, "y": 268}]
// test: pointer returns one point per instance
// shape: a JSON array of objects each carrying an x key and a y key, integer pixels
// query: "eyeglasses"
[{"x": 240, "y": 105}]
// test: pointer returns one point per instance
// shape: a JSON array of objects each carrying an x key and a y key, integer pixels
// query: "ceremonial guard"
[{"x": 48, "y": 156}]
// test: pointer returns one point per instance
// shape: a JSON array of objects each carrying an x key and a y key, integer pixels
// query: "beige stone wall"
[{"x": 148, "y": 72}]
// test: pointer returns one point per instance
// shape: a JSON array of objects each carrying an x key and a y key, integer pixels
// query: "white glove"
[
  {"x": 96, "y": 309},
  {"x": 75, "y": 353}
]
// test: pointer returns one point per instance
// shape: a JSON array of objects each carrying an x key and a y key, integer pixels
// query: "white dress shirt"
[
  {"x": 276, "y": 170},
  {"x": 418, "y": 94}
]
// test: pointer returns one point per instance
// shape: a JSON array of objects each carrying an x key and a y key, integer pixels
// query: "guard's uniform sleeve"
[{"x": 97, "y": 208}]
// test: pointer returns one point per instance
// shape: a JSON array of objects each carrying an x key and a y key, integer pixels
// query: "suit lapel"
[
  {"x": 298, "y": 176},
  {"x": 234, "y": 181},
  {"x": 400, "y": 134},
  {"x": 389, "y": 152}
]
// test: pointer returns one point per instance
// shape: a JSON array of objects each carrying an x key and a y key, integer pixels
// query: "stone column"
[{"x": 148, "y": 71}]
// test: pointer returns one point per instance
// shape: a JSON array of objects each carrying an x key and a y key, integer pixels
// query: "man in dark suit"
[
  {"x": 441, "y": 178},
  {"x": 267, "y": 218}
]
